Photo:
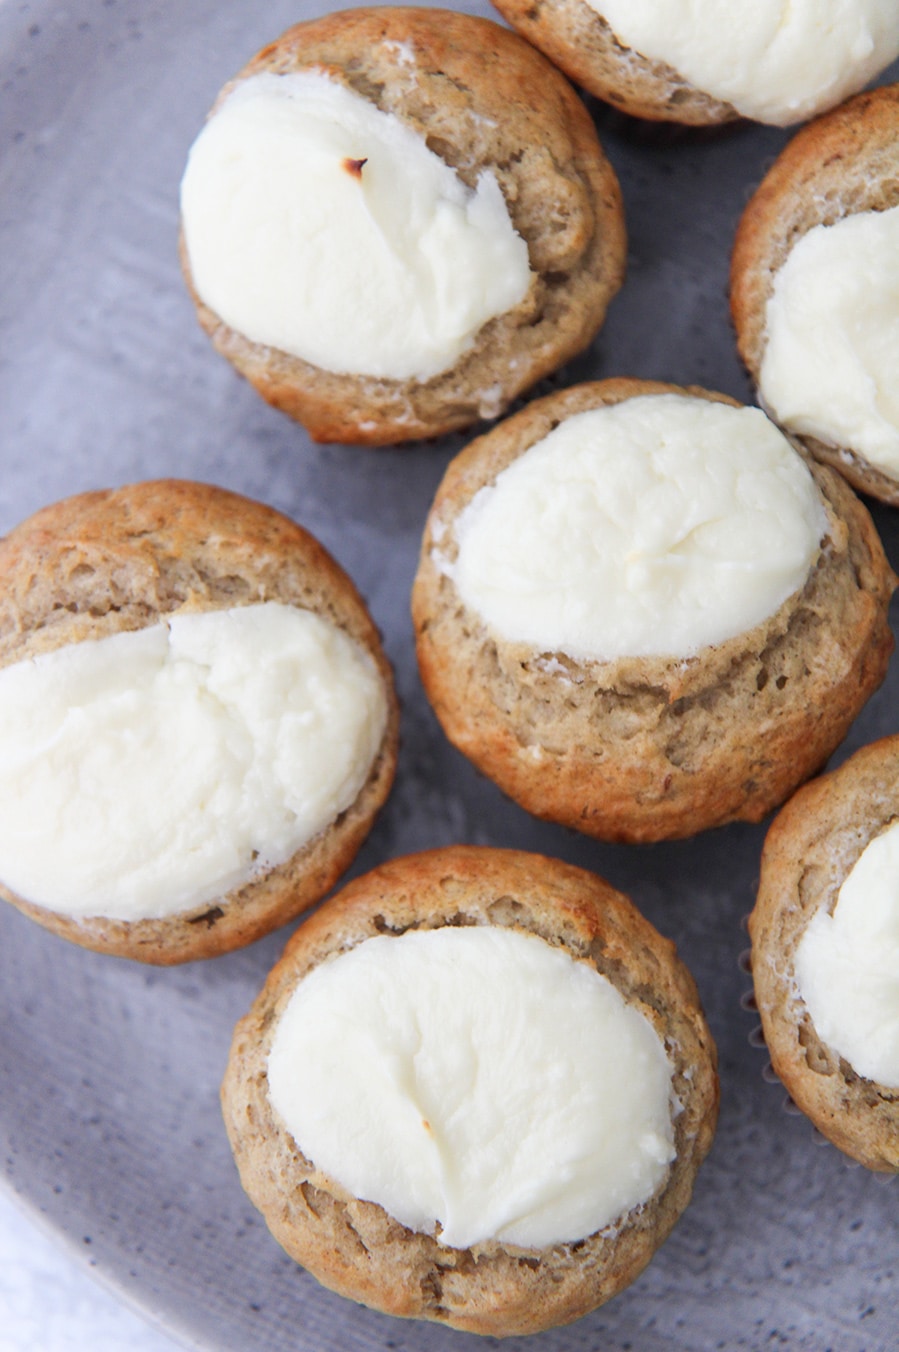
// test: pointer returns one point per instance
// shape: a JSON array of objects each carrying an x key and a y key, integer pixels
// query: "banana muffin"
[
  {"x": 642, "y": 613},
  {"x": 476, "y": 1089},
  {"x": 197, "y": 723},
  {"x": 397, "y": 220},
  {"x": 815, "y": 290},
  {"x": 825, "y": 957}
]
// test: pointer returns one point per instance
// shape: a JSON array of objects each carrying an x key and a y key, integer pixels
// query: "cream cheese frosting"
[
  {"x": 847, "y": 965},
  {"x": 150, "y": 771},
  {"x": 476, "y": 1082},
  {"x": 830, "y": 368},
  {"x": 776, "y": 61},
  {"x": 655, "y": 526},
  {"x": 320, "y": 225}
]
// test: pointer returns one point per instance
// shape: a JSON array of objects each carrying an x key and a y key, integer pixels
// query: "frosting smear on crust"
[
  {"x": 652, "y": 527},
  {"x": 476, "y": 1082},
  {"x": 847, "y": 965},
  {"x": 317, "y": 224},
  {"x": 148, "y": 772},
  {"x": 830, "y": 368}
]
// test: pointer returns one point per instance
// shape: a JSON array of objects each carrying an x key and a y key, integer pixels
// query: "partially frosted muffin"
[
  {"x": 396, "y": 220},
  {"x": 476, "y": 1089},
  {"x": 197, "y": 721},
  {"x": 815, "y": 290},
  {"x": 825, "y": 953},
  {"x": 642, "y": 613},
  {"x": 714, "y": 60}
]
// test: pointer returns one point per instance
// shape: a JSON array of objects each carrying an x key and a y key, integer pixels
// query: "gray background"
[{"x": 109, "y": 1121}]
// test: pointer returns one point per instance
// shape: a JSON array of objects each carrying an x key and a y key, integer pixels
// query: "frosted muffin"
[
  {"x": 476, "y": 1089},
  {"x": 642, "y": 613},
  {"x": 396, "y": 220},
  {"x": 815, "y": 290},
  {"x": 825, "y": 953},
  {"x": 714, "y": 61},
  {"x": 197, "y": 721}
]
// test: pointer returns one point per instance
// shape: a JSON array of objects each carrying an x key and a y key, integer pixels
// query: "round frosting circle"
[
  {"x": 652, "y": 527},
  {"x": 320, "y": 225},
  {"x": 477, "y": 1083}
]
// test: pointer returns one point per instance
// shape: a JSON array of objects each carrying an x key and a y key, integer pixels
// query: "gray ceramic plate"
[{"x": 109, "y": 1073}]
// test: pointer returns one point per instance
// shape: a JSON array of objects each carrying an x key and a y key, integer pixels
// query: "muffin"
[
  {"x": 642, "y": 614},
  {"x": 824, "y": 953},
  {"x": 461, "y": 236},
  {"x": 476, "y": 1089},
  {"x": 712, "y": 62},
  {"x": 815, "y": 290},
  {"x": 197, "y": 720}
]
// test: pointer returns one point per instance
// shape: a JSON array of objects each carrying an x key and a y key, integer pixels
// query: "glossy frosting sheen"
[
  {"x": 317, "y": 224},
  {"x": 476, "y": 1079},
  {"x": 148, "y": 772}
]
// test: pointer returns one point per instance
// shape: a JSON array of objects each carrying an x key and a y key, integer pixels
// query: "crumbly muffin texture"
[
  {"x": 810, "y": 849},
  {"x": 112, "y": 561},
  {"x": 354, "y": 1246},
  {"x": 483, "y": 100},
  {"x": 641, "y": 749}
]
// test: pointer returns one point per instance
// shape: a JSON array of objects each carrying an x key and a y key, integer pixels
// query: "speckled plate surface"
[{"x": 109, "y": 1073}]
